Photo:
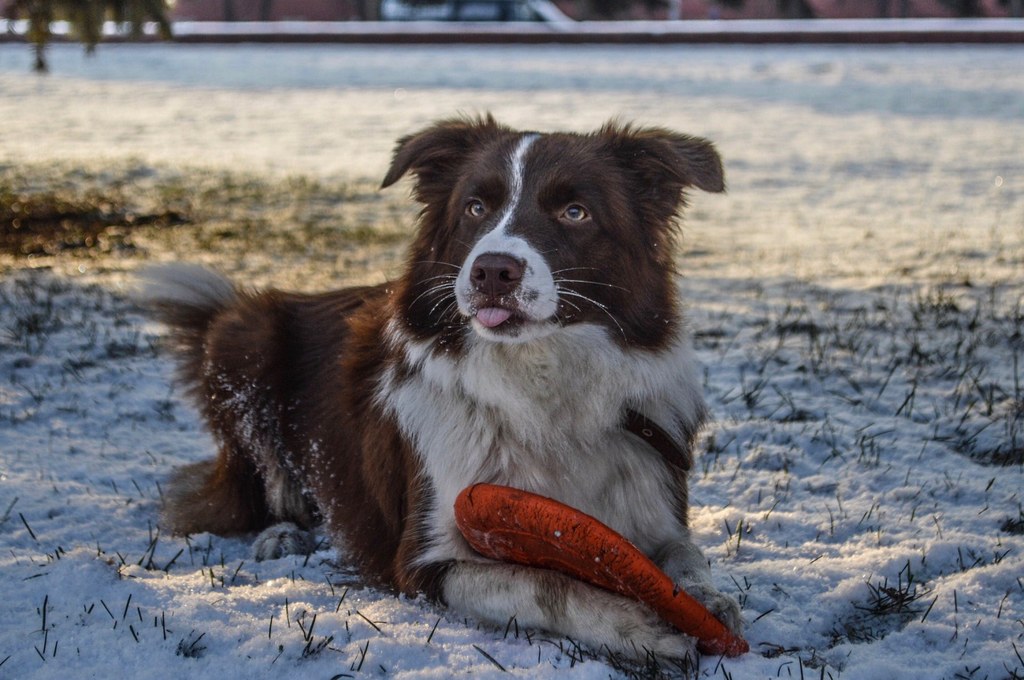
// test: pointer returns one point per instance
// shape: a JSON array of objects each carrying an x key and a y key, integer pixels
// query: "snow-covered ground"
[{"x": 858, "y": 296}]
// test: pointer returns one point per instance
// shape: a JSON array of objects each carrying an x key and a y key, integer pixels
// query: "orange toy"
[{"x": 517, "y": 526}]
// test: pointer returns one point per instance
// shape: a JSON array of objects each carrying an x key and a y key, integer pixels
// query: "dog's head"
[{"x": 524, "y": 233}]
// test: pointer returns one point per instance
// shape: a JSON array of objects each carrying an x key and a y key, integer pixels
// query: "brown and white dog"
[{"x": 537, "y": 319}]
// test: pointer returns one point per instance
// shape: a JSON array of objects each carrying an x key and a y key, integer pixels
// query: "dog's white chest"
[{"x": 544, "y": 418}]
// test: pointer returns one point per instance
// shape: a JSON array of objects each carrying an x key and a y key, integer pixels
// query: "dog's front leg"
[
  {"x": 686, "y": 565},
  {"x": 538, "y": 598}
]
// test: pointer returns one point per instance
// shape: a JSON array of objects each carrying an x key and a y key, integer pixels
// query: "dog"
[{"x": 535, "y": 339}]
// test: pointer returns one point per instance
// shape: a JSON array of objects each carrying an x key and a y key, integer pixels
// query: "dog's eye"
[
  {"x": 476, "y": 208},
  {"x": 575, "y": 213}
]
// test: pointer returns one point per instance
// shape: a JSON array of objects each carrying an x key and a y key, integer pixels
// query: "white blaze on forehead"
[
  {"x": 515, "y": 184},
  {"x": 537, "y": 295}
]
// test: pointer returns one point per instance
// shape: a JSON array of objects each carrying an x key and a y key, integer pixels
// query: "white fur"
[
  {"x": 183, "y": 284},
  {"x": 279, "y": 540},
  {"x": 545, "y": 417},
  {"x": 496, "y": 592},
  {"x": 517, "y": 168},
  {"x": 536, "y": 295}
]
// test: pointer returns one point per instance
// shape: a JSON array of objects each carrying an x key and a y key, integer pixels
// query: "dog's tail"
[
  {"x": 223, "y": 495},
  {"x": 184, "y": 296},
  {"x": 187, "y": 298}
]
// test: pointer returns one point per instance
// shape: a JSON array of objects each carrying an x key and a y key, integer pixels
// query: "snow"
[{"x": 857, "y": 295}]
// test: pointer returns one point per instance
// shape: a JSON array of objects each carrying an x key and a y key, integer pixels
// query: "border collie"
[{"x": 535, "y": 339}]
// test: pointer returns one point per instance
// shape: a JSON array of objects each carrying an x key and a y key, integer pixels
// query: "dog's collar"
[{"x": 649, "y": 431}]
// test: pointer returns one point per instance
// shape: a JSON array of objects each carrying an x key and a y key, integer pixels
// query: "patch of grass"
[
  {"x": 190, "y": 647},
  {"x": 887, "y": 608},
  {"x": 313, "y": 646},
  {"x": 942, "y": 356},
  {"x": 32, "y": 313},
  {"x": 244, "y": 222},
  {"x": 51, "y": 220},
  {"x": 899, "y": 599},
  {"x": 999, "y": 457},
  {"x": 1014, "y": 525},
  {"x": 366, "y": 234}
]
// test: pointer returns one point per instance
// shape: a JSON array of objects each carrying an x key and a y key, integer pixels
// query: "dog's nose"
[{"x": 496, "y": 273}]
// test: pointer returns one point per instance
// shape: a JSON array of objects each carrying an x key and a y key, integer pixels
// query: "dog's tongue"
[{"x": 492, "y": 316}]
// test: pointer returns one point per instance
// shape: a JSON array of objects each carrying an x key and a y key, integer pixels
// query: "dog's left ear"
[
  {"x": 436, "y": 153},
  {"x": 665, "y": 163}
]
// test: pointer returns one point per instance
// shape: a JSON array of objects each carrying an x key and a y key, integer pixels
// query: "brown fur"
[{"x": 287, "y": 382}]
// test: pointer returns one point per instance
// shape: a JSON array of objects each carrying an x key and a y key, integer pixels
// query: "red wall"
[{"x": 250, "y": 10}]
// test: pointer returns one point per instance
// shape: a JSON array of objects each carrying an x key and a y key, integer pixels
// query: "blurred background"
[{"x": 341, "y": 10}]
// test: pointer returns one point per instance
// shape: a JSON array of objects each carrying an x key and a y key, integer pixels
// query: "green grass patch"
[{"x": 132, "y": 210}]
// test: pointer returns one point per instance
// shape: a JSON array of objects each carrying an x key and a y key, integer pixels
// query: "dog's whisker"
[
  {"x": 437, "y": 300},
  {"x": 447, "y": 284},
  {"x": 594, "y": 283},
  {"x": 444, "y": 299},
  {"x": 453, "y": 304},
  {"x": 573, "y": 305},
  {"x": 434, "y": 289},
  {"x": 440, "y": 262},
  {"x": 569, "y": 302},
  {"x": 447, "y": 277},
  {"x": 603, "y": 308},
  {"x": 446, "y": 312},
  {"x": 572, "y": 269}
]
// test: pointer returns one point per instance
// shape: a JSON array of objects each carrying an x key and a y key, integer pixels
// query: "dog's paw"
[
  {"x": 659, "y": 641},
  {"x": 639, "y": 634},
  {"x": 282, "y": 539},
  {"x": 722, "y": 607}
]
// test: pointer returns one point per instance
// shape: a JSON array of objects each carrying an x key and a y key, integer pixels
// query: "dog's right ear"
[{"x": 436, "y": 153}]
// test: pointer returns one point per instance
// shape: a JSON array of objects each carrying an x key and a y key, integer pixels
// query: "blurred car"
[{"x": 470, "y": 10}]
